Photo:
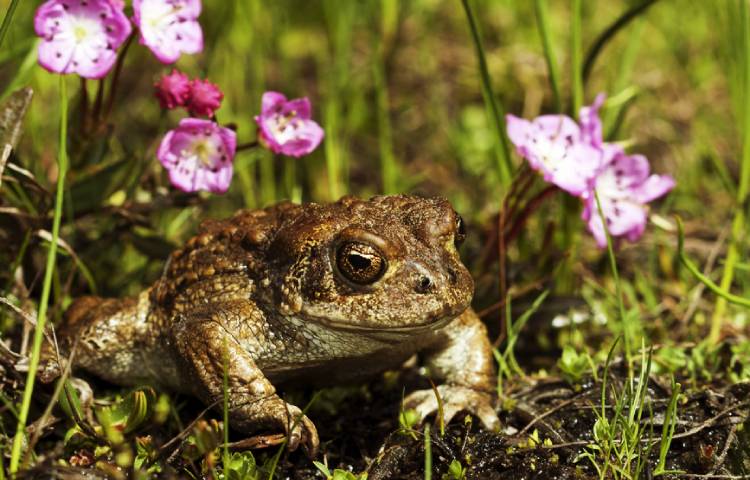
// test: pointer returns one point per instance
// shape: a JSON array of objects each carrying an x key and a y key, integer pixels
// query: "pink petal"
[
  {"x": 56, "y": 56},
  {"x": 591, "y": 124},
  {"x": 558, "y": 127},
  {"x": 270, "y": 101},
  {"x": 190, "y": 37},
  {"x": 519, "y": 130},
  {"x": 575, "y": 175},
  {"x": 307, "y": 139},
  {"x": 633, "y": 168},
  {"x": 300, "y": 106},
  {"x": 654, "y": 187}
]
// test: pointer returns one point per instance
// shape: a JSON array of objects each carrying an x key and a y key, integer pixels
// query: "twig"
[
  {"x": 29, "y": 318},
  {"x": 731, "y": 437}
]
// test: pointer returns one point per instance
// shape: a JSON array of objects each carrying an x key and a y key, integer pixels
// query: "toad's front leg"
[
  {"x": 207, "y": 349},
  {"x": 463, "y": 359}
]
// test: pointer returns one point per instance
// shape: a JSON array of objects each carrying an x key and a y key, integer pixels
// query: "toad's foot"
[
  {"x": 455, "y": 398},
  {"x": 286, "y": 417}
]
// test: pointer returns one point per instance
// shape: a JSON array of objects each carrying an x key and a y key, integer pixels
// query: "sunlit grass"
[{"x": 41, "y": 320}]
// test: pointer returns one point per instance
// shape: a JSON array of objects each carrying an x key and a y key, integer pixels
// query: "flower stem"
[
  {"x": 247, "y": 146},
  {"x": 116, "y": 76},
  {"x": 542, "y": 21},
  {"x": 531, "y": 206},
  {"x": 616, "y": 276},
  {"x": 84, "y": 106},
  {"x": 98, "y": 101},
  {"x": 62, "y": 164},
  {"x": 497, "y": 113}
]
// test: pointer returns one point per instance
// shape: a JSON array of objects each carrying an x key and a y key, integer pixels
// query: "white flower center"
[
  {"x": 85, "y": 29},
  {"x": 283, "y": 127},
  {"x": 158, "y": 18},
  {"x": 551, "y": 151}
]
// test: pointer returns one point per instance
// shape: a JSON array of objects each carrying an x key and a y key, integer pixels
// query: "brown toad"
[{"x": 312, "y": 293}]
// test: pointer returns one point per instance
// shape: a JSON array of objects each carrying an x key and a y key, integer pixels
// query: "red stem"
[
  {"x": 530, "y": 207},
  {"x": 248, "y": 145},
  {"x": 116, "y": 77}
]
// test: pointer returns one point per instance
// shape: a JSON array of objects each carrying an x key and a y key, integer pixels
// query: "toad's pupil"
[{"x": 359, "y": 262}]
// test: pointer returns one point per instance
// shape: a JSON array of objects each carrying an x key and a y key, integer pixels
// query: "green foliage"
[
  {"x": 739, "y": 364},
  {"x": 456, "y": 471},
  {"x": 574, "y": 365},
  {"x": 239, "y": 466},
  {"x": 338, "y": 474}
]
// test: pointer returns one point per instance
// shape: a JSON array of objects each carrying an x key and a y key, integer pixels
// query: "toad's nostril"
[
  {"x": 452, "y": 275},
  {"x": 424, "y": 284}
]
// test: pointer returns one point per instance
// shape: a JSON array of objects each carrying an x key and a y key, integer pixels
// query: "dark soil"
[{"x": 547, "y": 422}]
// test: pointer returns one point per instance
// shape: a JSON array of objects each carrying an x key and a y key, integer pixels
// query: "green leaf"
[
  {"x": 132, "y": 411},
  {"x": 70, "y": 403},
  {"x": 90, "y": 190}
]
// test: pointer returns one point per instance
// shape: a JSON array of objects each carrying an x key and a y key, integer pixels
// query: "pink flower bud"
[
  {"x": 205, "y": 98},
  {"x": 172, "y": 90}
]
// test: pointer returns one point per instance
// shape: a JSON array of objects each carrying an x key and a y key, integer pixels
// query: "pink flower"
[
  {"x": 80, "y": 36},
  {"x": 205, "y": 98},
  {"x": 591, "y": 124},
  {"x": 575, "y": 157},
  {"x": 624, "y": 187},
  {"x": 556, "y": 146},
  {"x": 173, "y": 90},
  {"x": 198, "y": 155},
  {"x": 169, "y": 28},
  {"x": 284, "y": 126}
]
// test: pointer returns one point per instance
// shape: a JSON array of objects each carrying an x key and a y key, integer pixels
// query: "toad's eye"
[
  {"x": 360, "y": 263},
  {"x": 460, "y": 234}
]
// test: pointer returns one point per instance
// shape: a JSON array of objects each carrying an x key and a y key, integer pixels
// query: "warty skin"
[{"x": 313, "y": 293}]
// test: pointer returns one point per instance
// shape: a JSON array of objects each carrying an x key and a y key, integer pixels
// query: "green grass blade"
[
  {"x": 609, "y": 33},
  {"x": 542, "y": 20},
  {"x": 624, "y": 74},
  {"x": 667, "y": 432},
  {"x": 576, "y": 54},
  {"x": 388, "y": 165},
  {"x": 427, "y": 453},
  {"x": 722, "y": 293},
  {"x": 8, "y": 19},
  {"x": 62, "y": 162},
  {"x": 497, "y": 113}
]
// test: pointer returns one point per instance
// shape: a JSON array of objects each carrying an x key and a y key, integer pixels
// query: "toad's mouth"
[{"x": 385, "y": 330}]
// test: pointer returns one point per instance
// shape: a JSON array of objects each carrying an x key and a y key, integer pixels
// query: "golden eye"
[
  {"x": 460, "y": 234},
  {"x": 360, "y": 263}
]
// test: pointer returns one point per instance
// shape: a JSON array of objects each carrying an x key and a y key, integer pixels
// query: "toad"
[{"x": 297, "y": 294}]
